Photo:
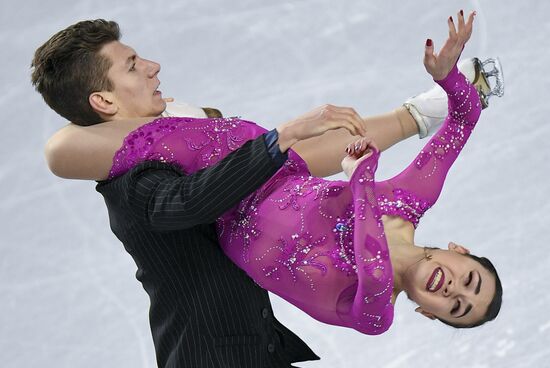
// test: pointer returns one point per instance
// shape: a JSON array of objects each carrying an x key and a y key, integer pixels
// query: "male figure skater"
[{"x": 205, "y": 312}]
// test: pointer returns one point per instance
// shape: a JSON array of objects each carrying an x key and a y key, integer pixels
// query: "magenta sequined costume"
[{"x": 319, "y": 244}]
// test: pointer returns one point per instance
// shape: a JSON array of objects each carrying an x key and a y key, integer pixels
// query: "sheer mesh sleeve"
[
  {"x": 416, "y": 189},
  {"x": 371, "y": 310}
]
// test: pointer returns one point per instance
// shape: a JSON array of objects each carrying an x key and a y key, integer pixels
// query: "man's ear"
[
  {"x": 103, "y": 103},
  {"x": 458, "y": 248},
  {"x": 424, "y": 313}
]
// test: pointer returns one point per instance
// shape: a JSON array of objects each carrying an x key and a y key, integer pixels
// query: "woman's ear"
[
  {"x": 103, "y": 103},
  {"x": 425, "y": 314},
  {"x": 458, "y": 248}
]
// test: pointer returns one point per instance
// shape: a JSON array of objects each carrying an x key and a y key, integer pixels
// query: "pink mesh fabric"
[{"x": 318, "y": 244}]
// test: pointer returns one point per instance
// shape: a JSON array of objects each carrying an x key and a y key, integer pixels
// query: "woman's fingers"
[
  {"x": 361, "y": 147},
  {"x": 470, "y": 24},
  {"x": 465, "y": 27},
  {"x": 353, "y": 148},
  {"x": 350, "y": 149},
  {"x": 439, "y": 64},
  {"x": 460, "y": 17},
  {"x": 471, "y": 17},
  {"x": 461, "y": 24},
  {"x": 429, "y": 57},
  {"x": 364, "y": 144},
  {"x": 452, "y": 29}
]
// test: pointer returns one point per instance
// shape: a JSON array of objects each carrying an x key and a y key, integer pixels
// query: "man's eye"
[
  {"x": 456, "y": 307},
  {"x": 133, "y": 67}
]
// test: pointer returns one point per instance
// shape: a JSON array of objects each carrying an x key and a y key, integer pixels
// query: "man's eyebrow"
[
  {"x": 478, "y": 287},
  {"x": 468, "y": 308}
]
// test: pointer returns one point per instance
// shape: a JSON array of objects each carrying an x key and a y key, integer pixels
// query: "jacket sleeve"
[{"x": 163, "y": 198}]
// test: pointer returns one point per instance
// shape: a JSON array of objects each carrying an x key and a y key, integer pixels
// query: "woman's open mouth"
[{"x": 436, "y": 280}]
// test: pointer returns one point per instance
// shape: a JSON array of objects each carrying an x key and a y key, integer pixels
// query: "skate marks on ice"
[{"x": 69, "y": 290}]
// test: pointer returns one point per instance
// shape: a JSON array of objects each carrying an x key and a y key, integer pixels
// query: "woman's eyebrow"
[{"x": 478, "y": 287}]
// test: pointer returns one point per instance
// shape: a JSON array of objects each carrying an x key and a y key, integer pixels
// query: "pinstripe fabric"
[{"x": 205, "y": 311}]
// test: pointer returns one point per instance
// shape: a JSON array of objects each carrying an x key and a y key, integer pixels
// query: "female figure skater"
[{"x": 340, "y": 251}]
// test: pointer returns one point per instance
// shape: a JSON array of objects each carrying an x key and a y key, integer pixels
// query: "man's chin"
[{"x": 160, "y": 109}]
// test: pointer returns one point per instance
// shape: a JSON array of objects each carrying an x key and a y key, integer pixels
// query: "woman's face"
[{"x": 451, "y": 286}]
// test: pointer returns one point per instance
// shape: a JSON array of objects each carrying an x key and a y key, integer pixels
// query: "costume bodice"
[{"x": 317, "y": 243}]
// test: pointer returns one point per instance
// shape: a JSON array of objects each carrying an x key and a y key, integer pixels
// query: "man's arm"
[
  {"x": 168, "y": 200},
  {"x": 165, "y": 199}
]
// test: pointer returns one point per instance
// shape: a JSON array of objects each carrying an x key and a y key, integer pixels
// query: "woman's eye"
[
  {"x": 456, "y": 307},
  {"x": 133, "y": 67}
]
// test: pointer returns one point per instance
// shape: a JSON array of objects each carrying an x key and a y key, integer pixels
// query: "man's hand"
[
  {"x": 357, "y": 153},
  {"x": 317, "y": 122},
  {"x": 439, "y": 65}
]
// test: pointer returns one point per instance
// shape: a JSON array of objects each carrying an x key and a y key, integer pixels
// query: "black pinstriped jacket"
[{"x": 205, "y": 311}]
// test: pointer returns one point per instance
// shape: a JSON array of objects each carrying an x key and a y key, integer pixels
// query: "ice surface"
[{"x": 69, "y": 296}]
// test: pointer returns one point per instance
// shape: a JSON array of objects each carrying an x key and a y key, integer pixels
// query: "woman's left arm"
[
  {"x": 425, "y": 176},
  {"x": 416, "y": 189}
]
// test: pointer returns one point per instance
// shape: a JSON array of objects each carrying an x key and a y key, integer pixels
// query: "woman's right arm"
[
  {"x": 77, "y": 152},
  {"x": 86, "y": 153},
  {"x": 79, "y": 155}
]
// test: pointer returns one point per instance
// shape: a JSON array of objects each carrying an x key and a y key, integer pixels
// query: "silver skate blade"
[
  {"x": 492, "y": 68},
  {"x": 481, "y": 83}
]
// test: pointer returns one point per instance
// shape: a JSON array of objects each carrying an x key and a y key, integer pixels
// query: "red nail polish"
[
  {"x": 428, "y": 42},
  {"x": 461, "y": 12},
  {"x": 451, "y": 19}
]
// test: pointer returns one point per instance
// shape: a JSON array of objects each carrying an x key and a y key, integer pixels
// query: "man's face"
[{"x": 135, "y": 83}]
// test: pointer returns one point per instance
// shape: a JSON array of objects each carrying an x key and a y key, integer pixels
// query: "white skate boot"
[{"x": 429, "y": 109}]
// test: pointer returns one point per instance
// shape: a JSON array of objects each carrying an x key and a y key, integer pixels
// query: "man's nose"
[{"x": 152, "y": 69}]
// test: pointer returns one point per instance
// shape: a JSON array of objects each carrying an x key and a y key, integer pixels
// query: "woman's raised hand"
[
  {"x": 358, "y": 152},
  {"x": 439, "y": 65}
]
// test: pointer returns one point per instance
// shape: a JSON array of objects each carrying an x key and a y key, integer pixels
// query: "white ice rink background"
[{"x": 69, "y": 297}]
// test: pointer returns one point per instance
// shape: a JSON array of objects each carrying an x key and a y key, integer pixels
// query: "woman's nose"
[{"x": 448, "y": 288}]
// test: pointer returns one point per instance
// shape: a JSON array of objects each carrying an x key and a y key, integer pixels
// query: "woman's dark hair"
[
  {"x": 69, "y": 67},
  {"x": 212, "y": 112},
  {"x": 494, "y": 307}
]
